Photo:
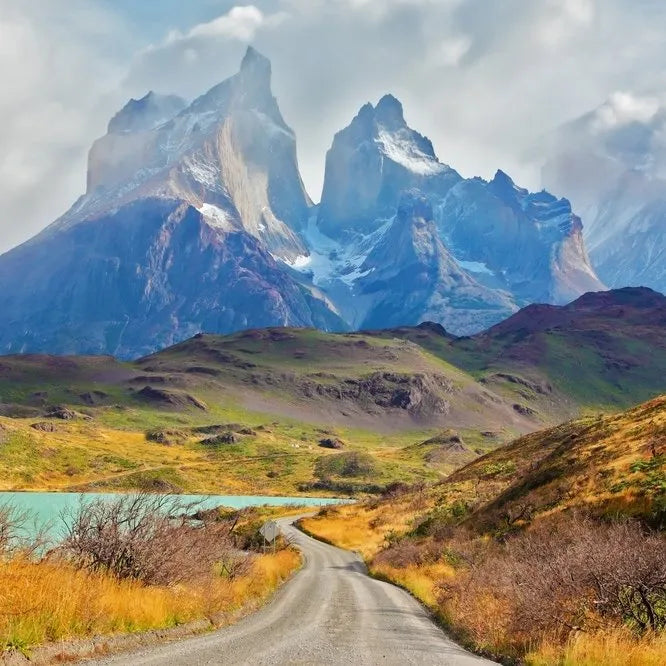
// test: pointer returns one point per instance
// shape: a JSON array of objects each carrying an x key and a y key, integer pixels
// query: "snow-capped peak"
[{"x": 403, "y": 150}]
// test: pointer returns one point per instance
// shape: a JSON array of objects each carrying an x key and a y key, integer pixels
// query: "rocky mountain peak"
[
  {"x": 389, "y": 113},
  {"x": 255, "y": 72},
  {"x": 250, "y": 88},
  {"x": 371, "y": 163},
  {"x": 146, "y": 113},
  {"x": 503, "y": 186}
]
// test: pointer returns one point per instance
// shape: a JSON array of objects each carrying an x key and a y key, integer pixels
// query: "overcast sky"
[{"x": 484, "y": 79}]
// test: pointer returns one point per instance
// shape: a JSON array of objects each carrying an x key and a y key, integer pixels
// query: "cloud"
[
  {"x": 241, "y": 22},
  {"x": 622, "y": 108},
  {"x": 50, "y": 106},
  {"x": 481, "y": 79}
]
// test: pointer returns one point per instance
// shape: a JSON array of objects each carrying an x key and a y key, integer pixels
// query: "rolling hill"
[
  {"x": 257, "y": 410},
  {"x": 603, "y": 350}
]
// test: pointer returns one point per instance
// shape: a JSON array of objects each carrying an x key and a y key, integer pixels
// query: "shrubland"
[
  {"x": 139, "y": 563},
  {"x": 550, "y": 551}
]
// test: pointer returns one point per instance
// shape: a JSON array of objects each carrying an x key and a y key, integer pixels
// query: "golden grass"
[
  {"x": 50, "y": 601},
  {"x": 610, "y": 648},
  {"x": 421, "y": 581},
  {"x": 358, "y": 527},
  {"x": 277, "y": 459}
]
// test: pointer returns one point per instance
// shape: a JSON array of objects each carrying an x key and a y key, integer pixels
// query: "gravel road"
[{"x": 331, "y": 612}]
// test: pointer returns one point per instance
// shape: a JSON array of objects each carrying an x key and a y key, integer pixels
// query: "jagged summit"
[
  {"x": 229, "y": 154},
  {"x": 146, "y": 113},
  {"x": 256, "y": 65},
  {"x": 502, "y": 183},
  {"x": 389, "y": 112},
  {"x": 371, "y": 162},
  {"x": 250, "y": 88}
]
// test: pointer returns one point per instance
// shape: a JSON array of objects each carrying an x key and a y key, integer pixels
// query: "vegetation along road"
[{"x": 331, "y": 612}]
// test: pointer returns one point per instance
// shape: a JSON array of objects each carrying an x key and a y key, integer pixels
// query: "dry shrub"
[
  {"x": 571, "y": 574},
  {"x": 396, "y": 489},
  {"x": 149, "y": 538},
  {"x": 352, "y": 464},
  {"x": 18, "y": 534},
  {"x": 52, "y": 600},
  {"x": 408, "y": 552}
]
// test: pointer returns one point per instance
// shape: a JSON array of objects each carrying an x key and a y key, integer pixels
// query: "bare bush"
[
  {"x": 572, "y": 574},
  {"x": 151, "y": 538},
  {"x": 407, "y": 552},
  {"x": 19, "y": 533}
]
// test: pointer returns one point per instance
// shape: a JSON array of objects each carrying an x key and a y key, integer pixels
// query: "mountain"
[
  {"x": 178, "y": 232},
  {"x": 612, "y": 163},
  {"x": 606, "y": 349},
  {"x": 370, "y": 163},
  {"x": 529, "y": 244},
  {"x": 410, "y": 276},
  {"x": 229, "y": 154},
  {"x": 195, "y": 218},
  {"x": 472, "y": 253}
]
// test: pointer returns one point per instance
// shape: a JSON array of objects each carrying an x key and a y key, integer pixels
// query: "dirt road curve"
[{"x": 331, "y": 612}]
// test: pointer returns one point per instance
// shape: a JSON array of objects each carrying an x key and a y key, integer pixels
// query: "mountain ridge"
[{"x": 196, "y": 218}]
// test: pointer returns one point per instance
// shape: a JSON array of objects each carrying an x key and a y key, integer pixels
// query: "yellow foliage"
[
  {"x": 421, "y": 581},
  {"x": 49, "y": 601},
  {"x": 609, "y": 648},
  {"x": 359, "y": 527}
]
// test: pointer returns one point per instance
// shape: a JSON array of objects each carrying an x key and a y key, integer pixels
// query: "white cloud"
[
  {"x": 52, "y": 85},
  {"x": 624, "y": 107},
  {"x": 482, "y": 79},
  {"x": 579, "y": 11},
  {"x": 241, "y": 22},
  {"x": 451, "y": 51},
  {"x": 563, "y": 18}
]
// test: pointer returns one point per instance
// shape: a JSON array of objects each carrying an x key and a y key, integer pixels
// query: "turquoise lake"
[{"x": 47, "y": 509}]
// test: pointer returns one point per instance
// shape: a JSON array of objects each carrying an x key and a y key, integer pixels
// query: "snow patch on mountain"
[
  {"x": 217, "y": 217},
  {"x": 474, "y": 266},
  {"x": 331, "y": 260},
  {"x": 400, "y": 148}
]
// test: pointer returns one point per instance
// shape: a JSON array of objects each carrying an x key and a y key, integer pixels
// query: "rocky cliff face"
[
  {"x": 229, "y": 154},
  {"x": 528, "y": 244},
  {"x": 371, "y": 163},
  {"x": 150, "y": 274},
  {"x": 410, "y": 277}
]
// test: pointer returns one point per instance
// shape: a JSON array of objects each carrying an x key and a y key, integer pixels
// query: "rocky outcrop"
[
  {"x": 410, "y": 276},
  {"x": 530, "y": 244},
  {"x": 172, "y": 399}
]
